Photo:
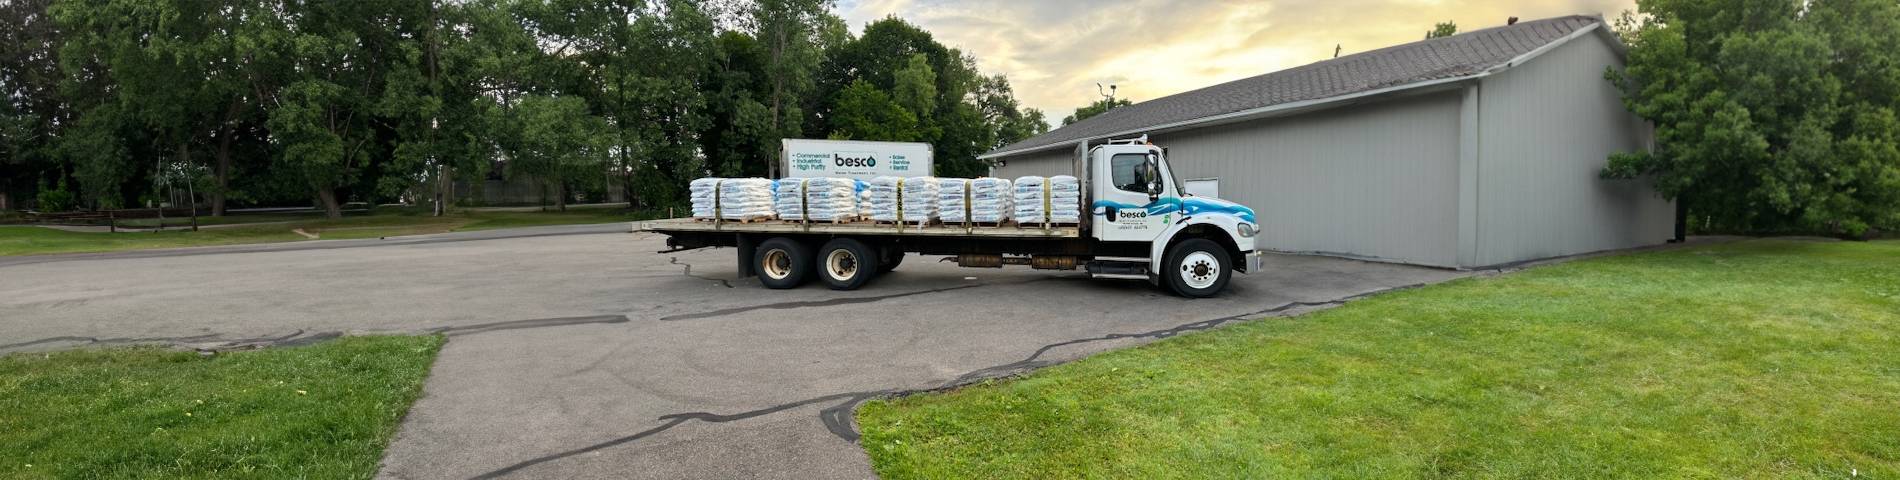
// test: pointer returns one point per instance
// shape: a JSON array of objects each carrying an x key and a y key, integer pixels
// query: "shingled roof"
[{"x": 1421, "y": 62}]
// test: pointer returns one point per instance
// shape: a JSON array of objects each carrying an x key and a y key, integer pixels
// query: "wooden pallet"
[
  {"x": 739, "y": 220},
  {"x": 909, "y": 224},
  {"x": 1004, "y": 223},
  {"x": 835, "y": 221}
]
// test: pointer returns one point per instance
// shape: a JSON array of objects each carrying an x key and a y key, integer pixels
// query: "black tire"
[
  {"x": 1197, "y": 268},
  {"x": 845, "y": 264},
  {"x": 892, "y": 258},
  {"x": 782, "y": 263}
]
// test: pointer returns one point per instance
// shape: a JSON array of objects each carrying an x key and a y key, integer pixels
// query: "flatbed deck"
[{"x": 862, "y": 228}]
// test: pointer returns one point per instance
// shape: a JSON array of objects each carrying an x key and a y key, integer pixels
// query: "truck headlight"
[{"x": 1248, "y": 230}]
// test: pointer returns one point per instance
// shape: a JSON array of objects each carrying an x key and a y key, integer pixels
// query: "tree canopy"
[
  {"x": 1770, "y": 115},
  {"x": 281, "y": 102},
  {"x": 1099, "y": 107}
]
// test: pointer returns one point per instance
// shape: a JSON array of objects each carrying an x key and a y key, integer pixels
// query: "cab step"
[{"x": 1118, "y": 268}]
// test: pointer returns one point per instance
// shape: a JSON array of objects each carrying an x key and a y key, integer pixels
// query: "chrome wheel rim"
[
  {"x": 778, "y": 264},
  {"x": 841, "y": 264},
  {"x": 1199, "y": 270}
]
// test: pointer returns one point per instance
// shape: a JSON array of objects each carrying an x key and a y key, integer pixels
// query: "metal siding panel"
[
  {"x": 1042, "y": 163},
  {"x": 1378, "y": 181},
  {"x": 1546, "y": 130}
]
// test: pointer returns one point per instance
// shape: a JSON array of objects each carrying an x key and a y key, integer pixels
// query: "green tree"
[
  {"x": 560, "y": 144},
  {"x": 887, "y": 59},
  {"x": 1442, "y": 29},
  {"x": 434, "y": 98},
  {"x": 334, "y": 61},
  {"x": 915, "y": 85},
  {"x": 1099, "y": 107},
  {"x": 174, "y": 71},
  {"x": 1010, "y": 122},
  {"x": 1769, "y": 116},
  {"x": 740, "y": 128},
  {"x": 31, "y": 107},
  {"x": 793, "y": 34},
  {"x": 864, "y": 112}
]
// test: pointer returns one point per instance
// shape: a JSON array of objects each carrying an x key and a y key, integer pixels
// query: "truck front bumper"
[{"x": 1254, "y": 259}]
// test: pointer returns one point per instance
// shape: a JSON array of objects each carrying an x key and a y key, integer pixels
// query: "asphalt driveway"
[{"x": 586, "y": 355}]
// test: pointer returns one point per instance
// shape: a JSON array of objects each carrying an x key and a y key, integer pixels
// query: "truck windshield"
[{"x": 1179, "y": 188}]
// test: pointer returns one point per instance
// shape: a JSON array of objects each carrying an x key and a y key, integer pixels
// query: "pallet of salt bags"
[
  {"x": 746, "y": 199},
  {"x": 907, "y": 200},
  {"x": 882, "y": 198},
  {"x": 788, "y": 199},
  {"x": 950, "y": 199},
  {"x": 990, "y": 200},
  {"x": 830, "y": 199},
  {"x": 1056, "y": 200},
  {"x": 701, "y": 194},
  {"x": 919, "y": 200},
  {"x": 979, "y": 200}
]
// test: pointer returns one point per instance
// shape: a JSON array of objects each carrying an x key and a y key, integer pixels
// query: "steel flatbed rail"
[{"x": 858, "y": 228}]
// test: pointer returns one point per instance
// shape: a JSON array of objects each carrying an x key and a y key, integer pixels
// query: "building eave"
[{"x": 1294, "y": 108}]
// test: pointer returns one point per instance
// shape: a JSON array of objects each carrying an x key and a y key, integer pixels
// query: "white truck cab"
[{"x": 1193, "y": 243}]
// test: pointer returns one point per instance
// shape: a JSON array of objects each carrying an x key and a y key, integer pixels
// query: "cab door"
[{"x": 1130, "y": 196}]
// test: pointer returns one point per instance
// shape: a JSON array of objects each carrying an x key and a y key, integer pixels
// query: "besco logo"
[{"x": 844, "y": 161}]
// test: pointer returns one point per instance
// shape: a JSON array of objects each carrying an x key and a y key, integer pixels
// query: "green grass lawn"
[
  {"x": 22, "y": 240},
  {"x": 1759, "y": 359},
  {"x": 319, "y": 411}
]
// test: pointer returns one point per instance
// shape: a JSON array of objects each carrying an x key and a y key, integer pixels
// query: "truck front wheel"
[
  {"x": 782, "y": 263},
  {"x": 1197, "y": 268},
  {"x": 846, "y": 264}
]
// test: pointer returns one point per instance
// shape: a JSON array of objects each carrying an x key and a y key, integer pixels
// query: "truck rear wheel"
[
  {"x": 782, "y": 263},
  {"x": 846, "y": 264},
  {"x": 1197, "y": 268}
]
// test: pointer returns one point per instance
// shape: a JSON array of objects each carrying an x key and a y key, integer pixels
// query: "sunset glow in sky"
[{"x": 1054, "y": 52}]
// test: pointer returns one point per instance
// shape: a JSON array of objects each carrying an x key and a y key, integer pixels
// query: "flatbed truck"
[{"x": 1140, "y": 224}]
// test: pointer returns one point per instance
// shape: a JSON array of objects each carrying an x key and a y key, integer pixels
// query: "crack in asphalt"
[
  {"x": 459, "y": 330},
  {"x": 689, "y": 272},
  {"x": 837, "y": 418},
  {"x": 209, "y": 337},
  {"x": 301, "y": 337},
  {"x": 812, "y": 303}
]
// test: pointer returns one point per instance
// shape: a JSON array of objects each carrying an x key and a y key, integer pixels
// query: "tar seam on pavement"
[
  {"x": 526, "y": 324},
  {"x": 291, "y": 339},
  {"x": 300, "y": 338},
  {"x": 811, "y": 303},
  {"x": 837, "y": 418}
]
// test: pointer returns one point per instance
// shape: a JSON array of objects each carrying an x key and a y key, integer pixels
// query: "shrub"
[{"x": 55, "y": 199}]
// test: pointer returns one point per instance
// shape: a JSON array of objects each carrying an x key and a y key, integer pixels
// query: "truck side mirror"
[{"x": 1152, "y": 172}]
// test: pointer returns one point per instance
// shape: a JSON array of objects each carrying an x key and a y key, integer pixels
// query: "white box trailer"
[
  {"x": 806, "y": 158},
  {"x": 1139, "y": 222}
]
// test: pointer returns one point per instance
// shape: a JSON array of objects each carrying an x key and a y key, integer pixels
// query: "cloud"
[{"x": 1054, "y": 52}]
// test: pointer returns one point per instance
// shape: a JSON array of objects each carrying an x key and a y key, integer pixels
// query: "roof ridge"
[{"x": 1390, "y": 66}]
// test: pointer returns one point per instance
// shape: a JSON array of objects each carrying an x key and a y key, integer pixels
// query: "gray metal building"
[{"x": 1474, "y": 150}]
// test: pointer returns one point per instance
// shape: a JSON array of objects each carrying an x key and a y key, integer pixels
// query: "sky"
[{"x": 1055, "y": 51}]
